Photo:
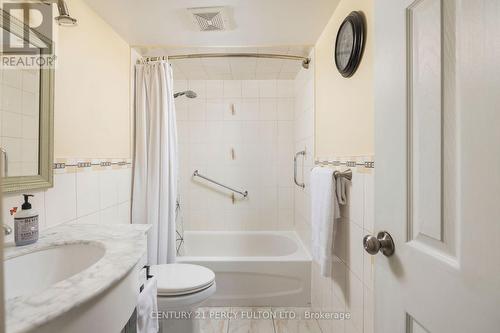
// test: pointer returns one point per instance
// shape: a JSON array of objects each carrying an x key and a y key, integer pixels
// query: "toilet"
[{"x": 182, "y": 288}]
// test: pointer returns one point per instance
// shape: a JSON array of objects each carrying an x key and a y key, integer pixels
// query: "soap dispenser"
[{"x": 26, "y": 224}]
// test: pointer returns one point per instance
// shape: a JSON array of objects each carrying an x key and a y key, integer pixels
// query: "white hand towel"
[
  {"x": 324, "y": 213},
  {"x": 147, "y": 307}
]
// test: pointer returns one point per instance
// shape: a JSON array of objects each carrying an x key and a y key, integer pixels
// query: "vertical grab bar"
[
  {"x": 6, "y": 162},
  {"x": 303, "y": 153}
]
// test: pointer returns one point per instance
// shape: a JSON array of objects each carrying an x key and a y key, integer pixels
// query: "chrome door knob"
[{"x": 383, "y": 243}]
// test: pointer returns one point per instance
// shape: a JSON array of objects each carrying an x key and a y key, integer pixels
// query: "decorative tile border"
[
  {"x": 84, "y": 164},
  {"x": 360, "y": 162},
  {"x": 79, "y": 165},
  {"x": 59, "y": 166}
]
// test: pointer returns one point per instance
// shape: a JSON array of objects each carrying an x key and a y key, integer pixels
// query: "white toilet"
[{"x": 182, "y": 288}]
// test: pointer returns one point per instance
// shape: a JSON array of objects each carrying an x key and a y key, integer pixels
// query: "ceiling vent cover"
[{"x": 210, "y": 18}]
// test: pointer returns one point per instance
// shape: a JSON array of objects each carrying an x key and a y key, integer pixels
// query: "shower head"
[
  {"x": 64, "y": 19},
  {"x": 191, "y": 94},
  {"x": 188, "y": 93}
]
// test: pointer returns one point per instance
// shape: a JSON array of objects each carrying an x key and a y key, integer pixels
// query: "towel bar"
[{"x": 148, "y": 276}]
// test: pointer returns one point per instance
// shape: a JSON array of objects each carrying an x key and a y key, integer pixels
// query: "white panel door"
[{"x": 437, "y": 184}]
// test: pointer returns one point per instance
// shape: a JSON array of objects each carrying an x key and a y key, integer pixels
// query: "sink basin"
[
  {"x": 77, "y": 278},
  {"x": 36, "y": 271}
]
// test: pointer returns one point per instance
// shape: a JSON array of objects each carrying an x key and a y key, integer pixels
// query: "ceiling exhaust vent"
[{"x": 210, "y": 18}]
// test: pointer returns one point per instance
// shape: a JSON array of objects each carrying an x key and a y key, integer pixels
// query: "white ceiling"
[
  {"x": 233, "y": 68},
  {"x": 257, "y": 22}
]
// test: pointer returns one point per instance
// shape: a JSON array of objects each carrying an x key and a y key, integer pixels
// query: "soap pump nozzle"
[{"x": 26, "y": 205}]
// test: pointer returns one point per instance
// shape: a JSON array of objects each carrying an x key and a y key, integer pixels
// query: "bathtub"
[{"x": 252, "y": 268}]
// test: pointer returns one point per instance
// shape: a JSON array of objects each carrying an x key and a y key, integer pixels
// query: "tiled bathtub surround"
[
  {"x": 85, "y": 195},
  {"x": 304, "y": 139},
  {"x": 241, "y": 134}
]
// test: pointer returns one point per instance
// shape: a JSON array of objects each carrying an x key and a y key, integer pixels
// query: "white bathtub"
[{"x": 253, "y": 268}]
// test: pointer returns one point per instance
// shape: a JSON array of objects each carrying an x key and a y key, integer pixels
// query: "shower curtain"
[{"x": 154, "y": 193}]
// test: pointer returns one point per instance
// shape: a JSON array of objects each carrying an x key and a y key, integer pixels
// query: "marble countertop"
[{"x": 125, "y": 246}]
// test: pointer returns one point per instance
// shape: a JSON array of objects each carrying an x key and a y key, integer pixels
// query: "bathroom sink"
[
  {"x": 77, "y": 278},
  {"x": 36, "y": 271}
]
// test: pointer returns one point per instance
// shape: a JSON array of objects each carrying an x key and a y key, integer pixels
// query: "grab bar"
[
  {"x": 197, "y": 174},
  {"x": 6, "y": 162},
  {"x": 303, "y": 153}
]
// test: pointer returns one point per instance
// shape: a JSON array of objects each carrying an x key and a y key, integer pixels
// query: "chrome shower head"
[
  {"x": 64, "y": 19},
  {"x": 191, "y": 94},
  {"x": 188, "y": 93}
]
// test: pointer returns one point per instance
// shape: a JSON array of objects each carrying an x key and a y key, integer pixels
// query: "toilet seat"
[{"x": 182, "y": 279}]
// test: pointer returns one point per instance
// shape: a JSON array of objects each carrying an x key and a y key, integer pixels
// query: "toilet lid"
[{"x": 178, "y": 279}]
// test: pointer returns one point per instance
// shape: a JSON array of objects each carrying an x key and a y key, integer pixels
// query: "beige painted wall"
[
  {"x": 92, "y": 93},
  {"x": 344, "y": 107}
]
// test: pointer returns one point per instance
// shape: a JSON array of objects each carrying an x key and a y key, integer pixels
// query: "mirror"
[{"x": 26, "y": 114}]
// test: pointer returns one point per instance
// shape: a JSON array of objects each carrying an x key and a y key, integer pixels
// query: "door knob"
[{"x": 383, "y": 243}]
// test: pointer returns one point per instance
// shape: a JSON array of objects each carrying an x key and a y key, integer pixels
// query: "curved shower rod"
[{"x": 305, "y": 60}]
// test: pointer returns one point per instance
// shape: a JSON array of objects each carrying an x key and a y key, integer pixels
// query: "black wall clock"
[{"x": 350, "y": 44}]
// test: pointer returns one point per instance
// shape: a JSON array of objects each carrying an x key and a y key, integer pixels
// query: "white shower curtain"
[{"x": 155, "y": 182}]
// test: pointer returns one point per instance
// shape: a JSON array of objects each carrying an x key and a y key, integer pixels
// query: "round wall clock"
[{"x": 350, "y": 43}]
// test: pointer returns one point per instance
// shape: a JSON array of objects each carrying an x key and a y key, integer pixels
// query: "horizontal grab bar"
[{"x": 197, "y": 174}]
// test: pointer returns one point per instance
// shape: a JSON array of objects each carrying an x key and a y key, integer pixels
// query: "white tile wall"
[
  {"x": 353, "y": 272},
  {"x": 60, "y": 203},
  {"x": 304, "y": 139},
  {"x": 351, "y": 287},
  {"x": 260, "y": 132},
  {"x": 87, "y": 192},
  {"x": 19, "y": 119},
  {"x": 86, "y": 196}
]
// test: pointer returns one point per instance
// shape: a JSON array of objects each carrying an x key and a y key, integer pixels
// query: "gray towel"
[{"x": 341, "y": 189}]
